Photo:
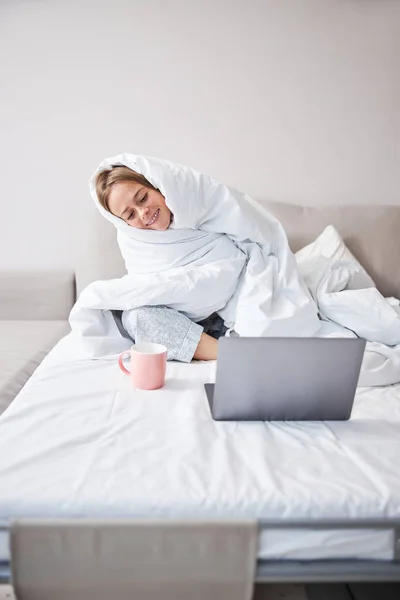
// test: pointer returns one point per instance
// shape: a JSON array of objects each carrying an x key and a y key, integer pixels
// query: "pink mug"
[{"x": 148, "y": 365}]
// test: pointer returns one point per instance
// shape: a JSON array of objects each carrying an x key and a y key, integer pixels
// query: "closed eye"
[
  {"x": 144, "y": 198},
  {"x": 130, "y": 216}
]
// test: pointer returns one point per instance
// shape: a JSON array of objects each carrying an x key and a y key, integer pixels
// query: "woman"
[
  {"x": 201, "y": 258},
  {"x": 130, "y": 197}
]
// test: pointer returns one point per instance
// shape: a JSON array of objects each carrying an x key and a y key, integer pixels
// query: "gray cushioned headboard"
[{"x": 371, "y": 232}]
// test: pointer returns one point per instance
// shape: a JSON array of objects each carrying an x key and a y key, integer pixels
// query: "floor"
[
  {"x": 274, "y": 592},
  {"x": 280, "y": 592},
  {"x": 360, "y": 591}
]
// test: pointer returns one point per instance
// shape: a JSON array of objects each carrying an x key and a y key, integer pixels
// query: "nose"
[{"x": 143, "y": 212}]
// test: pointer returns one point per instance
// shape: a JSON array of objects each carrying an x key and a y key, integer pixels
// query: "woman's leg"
[
  {"x": 207, "y": 348},
  {"x": 183, "y": 338}
]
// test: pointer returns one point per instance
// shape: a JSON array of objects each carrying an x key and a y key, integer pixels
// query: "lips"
[{"x": 154, "y": 218}]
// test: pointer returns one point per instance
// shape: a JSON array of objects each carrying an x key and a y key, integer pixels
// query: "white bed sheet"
[{"x": 79, "y": 441}]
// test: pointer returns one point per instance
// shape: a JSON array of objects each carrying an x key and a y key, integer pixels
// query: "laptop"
[{"x": 285, "y": 379}]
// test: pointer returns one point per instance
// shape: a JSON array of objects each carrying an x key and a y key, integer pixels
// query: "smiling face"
[{"x": 139, "y": 206}]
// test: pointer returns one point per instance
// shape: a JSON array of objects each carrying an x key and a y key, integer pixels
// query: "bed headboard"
[{"x": 372, "y": 233}]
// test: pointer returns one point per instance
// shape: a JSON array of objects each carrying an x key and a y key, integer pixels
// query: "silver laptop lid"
[{"x": 276, "y": 379}]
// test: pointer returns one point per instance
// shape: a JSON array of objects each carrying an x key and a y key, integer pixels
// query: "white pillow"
[{"x": 330, "y": 246}]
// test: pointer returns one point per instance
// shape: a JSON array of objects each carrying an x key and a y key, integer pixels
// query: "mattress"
[{"x": 79, "y": 441}]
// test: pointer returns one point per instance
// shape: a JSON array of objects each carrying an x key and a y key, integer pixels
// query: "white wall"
[{"x": 295, "y": 100}]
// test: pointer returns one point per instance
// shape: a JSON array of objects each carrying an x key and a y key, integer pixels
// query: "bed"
[{"x": 326, "y": 496}]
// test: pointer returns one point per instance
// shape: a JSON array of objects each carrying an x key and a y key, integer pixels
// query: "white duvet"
[
  {"x": 346, "y": 296},
  {"x": 225, "y": 253}
]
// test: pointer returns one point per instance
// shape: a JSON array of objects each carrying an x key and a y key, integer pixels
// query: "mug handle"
[{"x": 121, "y": 364}]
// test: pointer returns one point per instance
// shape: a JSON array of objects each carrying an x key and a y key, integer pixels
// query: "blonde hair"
[{"x": 105, "y": 180}]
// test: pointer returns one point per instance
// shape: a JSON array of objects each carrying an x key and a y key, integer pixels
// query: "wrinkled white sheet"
[
  {"x": 224, "y": 254},
  {"x": 79, "y": 441}
]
